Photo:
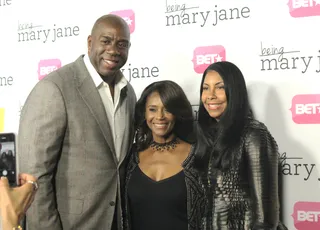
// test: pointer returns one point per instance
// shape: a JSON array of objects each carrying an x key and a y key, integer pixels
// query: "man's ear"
[{"x": 89, "y": 43}]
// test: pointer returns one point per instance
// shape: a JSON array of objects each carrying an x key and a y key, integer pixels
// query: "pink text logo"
[
  {"x": 206, "y": 55},
  {"x": 128, "y": 16},
  {"x": 306, "y": 215},
  {"x": 47, "y": 66},
  {"x": 305, "y": 109},
  {"x": 304, "y": 8}
]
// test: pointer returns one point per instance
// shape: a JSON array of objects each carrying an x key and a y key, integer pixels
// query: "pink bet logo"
[
  {"x": 128, "y": 16},
  {"x": 47, "y": 66},
  {"x": 304, "y": 8},
  {"x": 306, "y": 215},
  {"x": 305, "y": 109},
  {"x": 206, "y": 55}
]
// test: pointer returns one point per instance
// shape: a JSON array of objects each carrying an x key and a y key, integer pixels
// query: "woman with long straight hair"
[{"x": 238, "y": 154}]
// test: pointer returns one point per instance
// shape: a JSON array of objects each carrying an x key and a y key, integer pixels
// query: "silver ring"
[{"x": 35, "y": 184}]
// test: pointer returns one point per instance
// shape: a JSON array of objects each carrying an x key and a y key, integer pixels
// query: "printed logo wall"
[{"x": 178, "y": 40}]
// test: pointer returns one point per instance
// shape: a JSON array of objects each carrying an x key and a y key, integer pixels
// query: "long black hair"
[
  {"x": 175, "y": 101},
  {"x": 217, "y": 140}
]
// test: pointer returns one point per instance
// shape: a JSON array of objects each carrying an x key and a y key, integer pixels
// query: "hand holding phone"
[
  {"x": 14, "y": 202},
  {"x": 8, "y": 158}
]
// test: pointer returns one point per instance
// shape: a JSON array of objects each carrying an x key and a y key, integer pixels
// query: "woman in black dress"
[{"x": 162, "y": 189}]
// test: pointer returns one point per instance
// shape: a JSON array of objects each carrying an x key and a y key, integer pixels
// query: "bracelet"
[{"x": 17, "y": 228}]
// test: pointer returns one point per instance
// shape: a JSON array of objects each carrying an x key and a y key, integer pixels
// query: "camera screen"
[{"x": 8, "y": 161}]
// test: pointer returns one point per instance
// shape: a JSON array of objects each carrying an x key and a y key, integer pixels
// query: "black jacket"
[{"x": 246, "y": 197}]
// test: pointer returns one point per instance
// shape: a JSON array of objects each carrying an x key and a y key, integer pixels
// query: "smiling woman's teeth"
[
  {"x": 214, "y": 106},
  {"x": 160, "y": 125}
]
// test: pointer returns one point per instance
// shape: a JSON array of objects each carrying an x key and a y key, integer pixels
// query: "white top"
[{"x": 111, "y": 106}]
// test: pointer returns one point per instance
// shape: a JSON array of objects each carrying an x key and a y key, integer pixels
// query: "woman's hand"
[{"x": 14, "y": 202}]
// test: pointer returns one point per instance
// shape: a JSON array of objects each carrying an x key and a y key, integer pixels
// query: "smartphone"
[{"x": 8, "y": 158}]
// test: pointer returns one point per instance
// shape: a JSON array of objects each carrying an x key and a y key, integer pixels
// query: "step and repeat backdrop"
[{"x": 275, "y": 43}]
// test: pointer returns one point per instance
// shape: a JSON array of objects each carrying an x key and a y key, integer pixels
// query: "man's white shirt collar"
[{"x": 96, "y": 77}]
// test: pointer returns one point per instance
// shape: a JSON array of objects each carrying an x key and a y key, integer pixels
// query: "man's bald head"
[{"x": 110, "y": 20}]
